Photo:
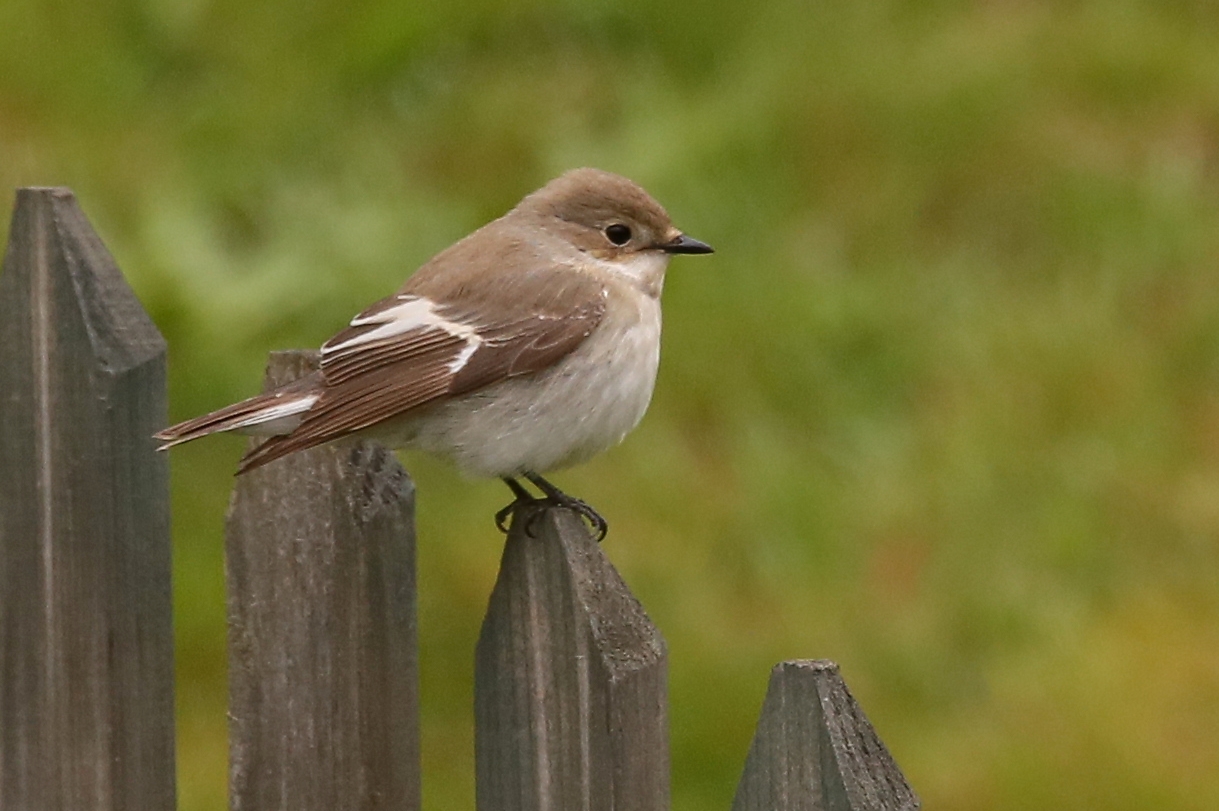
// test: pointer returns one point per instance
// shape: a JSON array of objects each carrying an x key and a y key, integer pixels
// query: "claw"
[
  {"x": 523, "y": 497},
  {"x": 558, "y": 498},
  {"x": 554, "y": 498},
  {"x": 501, "y": 517}
]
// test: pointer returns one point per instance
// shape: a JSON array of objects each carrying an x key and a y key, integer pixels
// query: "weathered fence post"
[
  {"x": 86, "y": 640},
  {"x": 815, "y": 750},
  {"x": 570, "y": 680},
  {"x": 323, "y": 672}
]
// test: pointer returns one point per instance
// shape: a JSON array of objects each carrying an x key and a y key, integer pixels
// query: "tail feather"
[{"x": 273, "y": 413}]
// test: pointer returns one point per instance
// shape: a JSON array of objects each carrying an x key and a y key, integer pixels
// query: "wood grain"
[
  {"x": 86, "y": 640},
  {"x": 323, "y": 670},
  {"x": 570, "y": 680},
  {"x": 815, "y": 750}
]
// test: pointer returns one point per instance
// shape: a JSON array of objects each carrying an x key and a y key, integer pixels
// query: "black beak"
[{"x": 685, "y": 244}]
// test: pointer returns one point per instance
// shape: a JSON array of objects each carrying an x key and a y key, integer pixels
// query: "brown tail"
[{"x": 273, "y": 413}]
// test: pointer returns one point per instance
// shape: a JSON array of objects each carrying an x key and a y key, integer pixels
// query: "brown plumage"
[{"x": 526, "y": 297}]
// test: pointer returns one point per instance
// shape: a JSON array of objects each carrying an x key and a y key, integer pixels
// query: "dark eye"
[{"x": 618, "y": 233}]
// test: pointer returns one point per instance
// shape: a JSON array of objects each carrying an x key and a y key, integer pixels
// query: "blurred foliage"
[{"x": 944, "y": 406}]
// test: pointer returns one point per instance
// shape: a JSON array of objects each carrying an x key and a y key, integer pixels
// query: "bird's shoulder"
[
  {"x": 506, "y": 272},
  {"x": 503, "y": 302}
]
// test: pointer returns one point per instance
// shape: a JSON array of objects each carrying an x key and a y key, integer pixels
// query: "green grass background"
[{"x": 944, "y": 406}]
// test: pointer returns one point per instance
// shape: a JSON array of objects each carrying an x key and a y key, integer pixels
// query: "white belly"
[{"x": 582, "y": 406}]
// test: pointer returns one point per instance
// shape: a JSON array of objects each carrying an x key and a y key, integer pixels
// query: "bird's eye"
[{"x": 618, "y": 233}]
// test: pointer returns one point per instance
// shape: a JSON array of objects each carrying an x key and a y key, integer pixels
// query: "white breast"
[{"x": 582, "y": 406}]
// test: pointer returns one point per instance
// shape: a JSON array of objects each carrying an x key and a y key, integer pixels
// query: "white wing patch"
[
  {"x": 472, "y": 344},
  {"x": 277, "y": 418},
  {"x": 409, "y": 314}
]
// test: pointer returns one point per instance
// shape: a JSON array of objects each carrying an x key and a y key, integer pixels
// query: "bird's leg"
[
  {"x": 522, "y": 496},
  {"x": 558, "y": 498}
]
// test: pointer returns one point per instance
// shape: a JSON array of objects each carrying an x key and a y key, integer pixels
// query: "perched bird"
[{"x": 529, "y": 346}]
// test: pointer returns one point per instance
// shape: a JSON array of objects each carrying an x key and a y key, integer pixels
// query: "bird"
[{"x": 529, "y": 346}]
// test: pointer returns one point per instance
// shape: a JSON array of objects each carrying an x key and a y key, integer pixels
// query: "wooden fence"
[{"x": 570, "y": 674}]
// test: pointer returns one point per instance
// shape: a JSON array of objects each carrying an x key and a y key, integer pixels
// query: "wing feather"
[{"x": 413, "y": 349}]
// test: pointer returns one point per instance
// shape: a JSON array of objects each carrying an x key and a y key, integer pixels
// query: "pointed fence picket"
[{"x": 570, "y": 674}]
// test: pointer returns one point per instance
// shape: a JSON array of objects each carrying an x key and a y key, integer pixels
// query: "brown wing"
[
  {"x": 526, "y": 345},
  {"x": 429, "y": 342}
]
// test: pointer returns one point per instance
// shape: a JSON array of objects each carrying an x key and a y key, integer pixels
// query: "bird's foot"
[
  {"x": 557, "y": 498},
  {"x": 523, "y": 498},
  {"x": 596, "y": 521},
  {"x": 554, "y": 497}
]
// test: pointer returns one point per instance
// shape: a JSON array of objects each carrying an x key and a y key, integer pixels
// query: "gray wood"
[
  {"x": 86, "y": 640},
  {"x": 323, "y": 667},
  {"x": 815, "y": 750},
  {"x": 570, "y": 680}
]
